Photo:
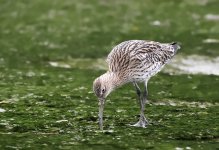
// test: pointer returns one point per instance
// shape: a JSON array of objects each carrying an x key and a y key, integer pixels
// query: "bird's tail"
[{"x": 175, "y": 46}]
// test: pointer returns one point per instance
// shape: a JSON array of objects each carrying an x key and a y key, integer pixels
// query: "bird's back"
[{"x": 139, "y": 59}]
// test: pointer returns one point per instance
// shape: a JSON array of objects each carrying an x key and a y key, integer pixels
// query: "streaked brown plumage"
[{"x": 133, "y": 61}]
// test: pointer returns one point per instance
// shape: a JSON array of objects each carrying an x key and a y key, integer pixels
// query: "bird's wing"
[
  {"x": 136, "y": 53},
  {"x": 118, "y": 58},
  {"x": 151, "y": 53},
  {"x": 145, "y": 55}
]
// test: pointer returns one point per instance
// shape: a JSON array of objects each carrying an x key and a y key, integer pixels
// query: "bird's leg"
[
  {"x": 138, "y": 91},
  {"x": 142, "y": 100}
]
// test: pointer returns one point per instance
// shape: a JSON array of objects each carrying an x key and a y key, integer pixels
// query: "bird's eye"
[{"x": 103, "y": 90}]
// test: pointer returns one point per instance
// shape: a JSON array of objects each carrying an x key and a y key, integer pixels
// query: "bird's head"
[{"x": 102, "y": 87}]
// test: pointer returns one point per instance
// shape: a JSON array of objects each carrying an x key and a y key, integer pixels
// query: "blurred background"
[{"x": 52, "y": 50}]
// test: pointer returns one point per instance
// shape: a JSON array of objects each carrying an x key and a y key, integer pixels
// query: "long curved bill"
[{"x": 101, "y": 107}]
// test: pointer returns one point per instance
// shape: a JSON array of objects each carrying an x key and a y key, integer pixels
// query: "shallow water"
[
  {"x": 194, "y": 64},
  {"x": 51, "y": 51},
  {"x": 190, "y": 64}
]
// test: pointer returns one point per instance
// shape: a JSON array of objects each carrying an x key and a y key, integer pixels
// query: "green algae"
[
  {"x": 66, "y": 109},
  {"x": 53, "y": 107}
]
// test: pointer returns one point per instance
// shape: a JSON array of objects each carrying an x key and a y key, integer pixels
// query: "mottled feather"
[
  {"x": 132, "y": 61},
  {"x": 139, "y": 59}
]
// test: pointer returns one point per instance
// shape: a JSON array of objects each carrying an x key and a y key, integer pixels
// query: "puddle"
[
  {"x": 156, "y": 23},
  {"x": 192, "y": 64},
  {"x": 211, "y": 41},
  {"x": 60, "y": 121},
  {"x": 82, "y": 63},
  {"x": 212, "y": 17},
  {"x": 2, "y": 110},
  {"x": 58, "y": 64}
]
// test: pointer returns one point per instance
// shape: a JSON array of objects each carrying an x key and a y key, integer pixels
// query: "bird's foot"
[{"x": 141, "y": 123}]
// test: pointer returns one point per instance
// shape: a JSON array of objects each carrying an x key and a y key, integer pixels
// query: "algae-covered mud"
[{"x": 51, "y": 51}]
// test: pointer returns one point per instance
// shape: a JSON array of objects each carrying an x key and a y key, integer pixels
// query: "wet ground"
[{"x": 51, "y": 51}]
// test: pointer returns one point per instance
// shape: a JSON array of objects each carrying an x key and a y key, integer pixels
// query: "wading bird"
[{"x": 133, "y": 61}]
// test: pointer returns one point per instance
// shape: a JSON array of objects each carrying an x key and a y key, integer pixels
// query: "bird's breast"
[{"x": 143, "y": 73}]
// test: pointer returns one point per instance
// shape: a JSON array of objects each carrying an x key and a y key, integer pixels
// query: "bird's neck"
[{"x": 114, "y": 80}]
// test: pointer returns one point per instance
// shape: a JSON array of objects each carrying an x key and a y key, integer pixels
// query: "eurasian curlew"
[{"x": 133, "y": 61}]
